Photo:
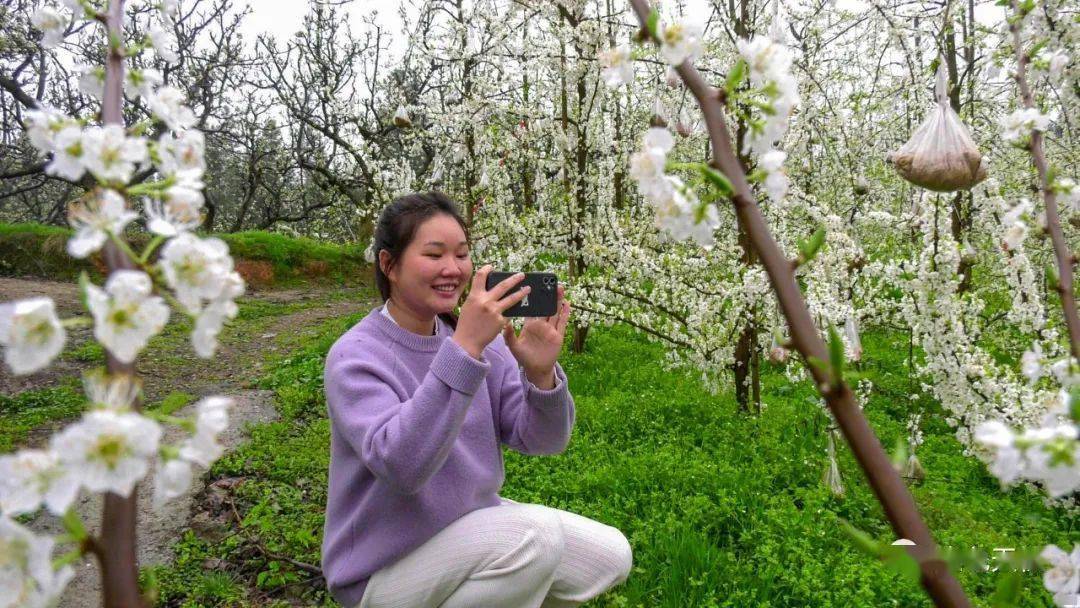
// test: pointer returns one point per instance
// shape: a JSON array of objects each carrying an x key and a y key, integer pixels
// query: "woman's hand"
[
  {"x": 481, "y": 314},
  {"x": 538, "y": 346}
]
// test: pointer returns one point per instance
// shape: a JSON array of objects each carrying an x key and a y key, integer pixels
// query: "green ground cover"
[
  {"x": 264, "y": 258},
  {"x": 721, "y": 508}
]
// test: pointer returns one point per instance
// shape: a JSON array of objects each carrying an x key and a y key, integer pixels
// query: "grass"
[
  {"x": 28, "y": 410},
  {"x": 721, "y": 508},
  {"x": 39, "y": 250}
]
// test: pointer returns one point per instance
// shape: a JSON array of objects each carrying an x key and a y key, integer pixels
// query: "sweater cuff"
[
  {"x": 546, "y": 398},
  {"x": 458, "y": 369}
]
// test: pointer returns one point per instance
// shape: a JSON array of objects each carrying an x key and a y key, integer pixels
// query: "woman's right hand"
[{"x": 481, "y": 315}]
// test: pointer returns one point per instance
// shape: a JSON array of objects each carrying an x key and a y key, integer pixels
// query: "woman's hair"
[{"x": 397, "y": 226}]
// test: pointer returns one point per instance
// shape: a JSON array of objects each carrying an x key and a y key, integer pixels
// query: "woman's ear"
[{"x": 384, "y": 262}]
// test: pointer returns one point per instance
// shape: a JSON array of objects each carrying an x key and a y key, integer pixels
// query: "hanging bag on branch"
[{"x": 940, "y": 155}]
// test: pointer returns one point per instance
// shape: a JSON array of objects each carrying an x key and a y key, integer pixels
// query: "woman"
[{"x": 420, "y": 402}]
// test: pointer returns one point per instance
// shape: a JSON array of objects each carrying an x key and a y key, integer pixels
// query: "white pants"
[{"x": 514, "y": 555}]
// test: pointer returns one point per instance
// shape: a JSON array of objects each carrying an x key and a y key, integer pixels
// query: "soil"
[{"x": 232, "y": 371}]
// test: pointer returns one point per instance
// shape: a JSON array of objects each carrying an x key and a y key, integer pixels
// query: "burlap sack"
[{"x": 940, "y": 155}]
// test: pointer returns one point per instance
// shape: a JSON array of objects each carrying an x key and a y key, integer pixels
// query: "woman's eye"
[{"x": 463, "y": 256}]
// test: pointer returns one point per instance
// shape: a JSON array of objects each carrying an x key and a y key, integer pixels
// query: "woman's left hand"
[{"x": 538, "y": 345}]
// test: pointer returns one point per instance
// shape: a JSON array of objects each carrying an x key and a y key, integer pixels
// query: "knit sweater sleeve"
[
  {"x": 404, "y": 442},
  {"x": 532, "y": 420}
]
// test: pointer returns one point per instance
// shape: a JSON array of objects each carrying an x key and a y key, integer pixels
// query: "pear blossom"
[
  {"x": 212, "y": 317},
  {"x": 91, "y": 80},
  {"x": 43, "y": 124},
  {"x": 31, "y": 333},
  {"x": 30, "y": 477},
  {"x": 27, "y": 577},
  {"x": 1063, "y": 578},
  {"x": 1019, "y": 125},
  {"x": 142, "y": 82},
  {"x": 1014, "y": 215},
  {"x": 1008, "y": 463},
  {"x": 776, "y": 181},
  {"x": 52, "y": 24},
  {"x": 197, "y": 269},
  {"x": 1031, "y": 363},
  {"x": 110, "y": 154},
  {"x": 617, "y": 67},
  {"x": 164, "y": 43},
  {"x": 108, "y": 451},
  {"x": 1014, "y": 236},
  {"x": 173, "y": 478},
  {"x": 201, "y": 449},
  {"x": 679, "y": 42},
  {"x": 167, "y": 103},
  {"x": 99, "y": 214},
  {"x": 182, "y": 151},
  {"x": 68, "y": 157},
  {"x": 126, "y": 315},
  {"x": 659, "y": 138},
  {"x": 173, "y": 216}
]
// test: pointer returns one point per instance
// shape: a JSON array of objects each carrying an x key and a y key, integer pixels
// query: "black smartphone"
[{"x": 543, "y": 298}]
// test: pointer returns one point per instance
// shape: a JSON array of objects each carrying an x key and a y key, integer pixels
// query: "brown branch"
[
  {"x": 886, "y": 483},
  {"x": 1062, "y": 255},
  {"x": 304, "y": 566}
]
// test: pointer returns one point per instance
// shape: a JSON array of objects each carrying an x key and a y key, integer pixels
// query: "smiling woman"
[{"x": 420, "y": 403}]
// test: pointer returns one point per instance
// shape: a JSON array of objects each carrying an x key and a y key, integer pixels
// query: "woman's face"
[{"x": 430, "y": 276}]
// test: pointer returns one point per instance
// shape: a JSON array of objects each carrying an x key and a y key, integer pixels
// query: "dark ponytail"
[{"x": 397, "y": 226}]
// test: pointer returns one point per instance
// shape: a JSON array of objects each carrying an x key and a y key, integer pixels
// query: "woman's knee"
[
  {"x": 624, "y": 556},
  {"x": 549, "y": 537}
]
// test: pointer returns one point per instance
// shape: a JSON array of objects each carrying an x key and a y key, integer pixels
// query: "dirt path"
[{"x": 172, "y": 367}]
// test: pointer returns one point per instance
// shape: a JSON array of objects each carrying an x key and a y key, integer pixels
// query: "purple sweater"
[{"x": 415, "y": 440}]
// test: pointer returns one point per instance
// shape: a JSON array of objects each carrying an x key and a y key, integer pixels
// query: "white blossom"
[
  {"x": 30, "y": 477},
  {"x": 52, "y": 24},
  {"x": 172, "y": 479},
  {"x": 92, "y": 80},
  {"x": 1019, "y": 125},
  {"x": 31, "y": 333},
  {"x": 679, "y": 42},
  {"x": 181, "y": 211},
  {"x": 167, "y": 103},
  {"x": 142, "y": 82},
  {"x": 108, "y": 451},
  {"x": 68, "y": 156},
  {"x": 93, "y": 218},
  {"x": 197, "y": 269},
  {"x": 183, "y": 151},
  {"x": 126, "y": 315},
  {"x": 43, "y": 124},
  {"x": 776, "y": 181},
  {"x": 851, "y": 335},
  {"x": 164, "y": 43},
  {"x": 27, "y": 578},
  {"x": 1014, "y": 236},
  {"x": 617, "y": 67},
  {"x": 212, "y": 317},
  {"x": 110, "y": 154},
  {"x": 1031, "y": 363},
  {"x": 1063, "y": 578}
]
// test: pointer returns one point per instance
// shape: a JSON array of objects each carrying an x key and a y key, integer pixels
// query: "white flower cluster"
[
  {"x": 1049, "y": 454},
  {"x": 1063, "y": 577},
  {"x": 676, "y": 206},
  {"x": 1015, "y": 228},
  {"x": 617, "y": 67},
  {"x": 112, "y": 446},
  {"x": 769, "y": 64},
  {"x": 1017, "y": 127}
]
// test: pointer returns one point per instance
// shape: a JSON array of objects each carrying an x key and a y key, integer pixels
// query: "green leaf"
[
  {"x": 899, "y": 560},
  {"x": 84, "y": 280},
  {"x": 718, "y": 180},
  {"x": 1007, "y": 593},
  {"x": 1074, "y": 403},
  {"x": 73, "y": 525},
  {"x": 735, "y": 76},
  {"x": 1052, "y": 279},
  {"x": 652, "y": 23},
  {"x": 899, "y": 455},
  {"x": 819, "y": 364},
  {"x": 836, "y": 354},
  {"x": 862, "y": 540}
]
